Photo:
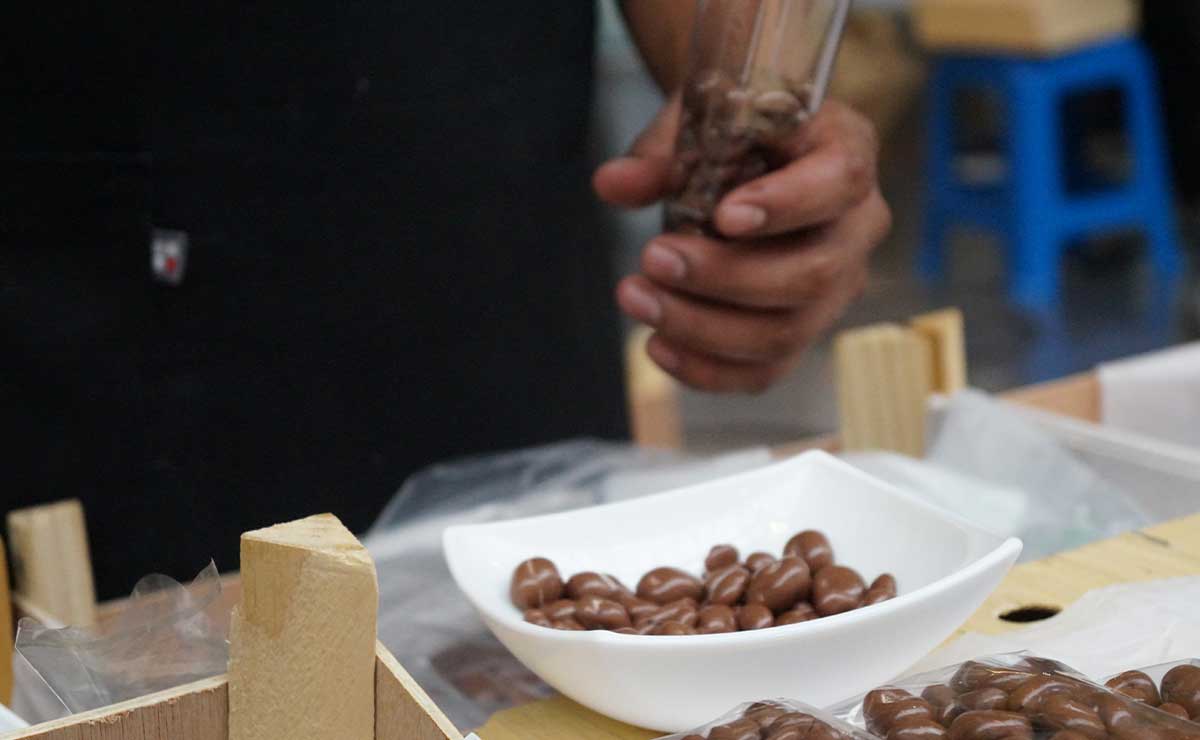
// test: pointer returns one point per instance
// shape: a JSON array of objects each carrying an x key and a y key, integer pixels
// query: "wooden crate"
[{"x": 1037, "y": 27}]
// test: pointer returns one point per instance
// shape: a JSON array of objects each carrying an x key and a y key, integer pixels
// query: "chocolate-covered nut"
[
  {"x": 754, "y": 617},
  {"x": 990, "y": 724},
  {"x": 716, "y": 618},
  {"x": 1028, "y": 695},
  {"x": 1068, "y": 735},
  {"x": 672, "y": 628},
  {"x": 780, "y": 585},
  {"x": 1137, "y": 686},
  {"x": 627, "y": 631},
  {"x": 560, "y": 609},
  {"x": 598, "y": 613},
  {"x": 538, "y": 617},
  {"x": 535, "y": 583},
  {"x": 693, "y": 737},
  {"x": 664, "y": 585},
  {"x": 592, "y": 584},
  {"x": 1116, "y": 713},
  {"x": 684, "y": 611},
  {"x": 811, "y": 545},
  {"x": 881, "y": 589},
  {"x": 875, "y": 700},
  {"x": 764, "y": 714},
  {"x": 973, "y": 675},
  {"x": 777, "y": 103},
  {"x": 1174, "y": 709},
  {"x": 793, "y": 721},
  {"x": 917, "y": 729},
  {"x": 570, "y": 624},
  {"x": 1064, "y": 712},
  {"x": 892, "y": 714},
  {"x": 1181, "y": 686},
  {"x": 638, "y": 609},
  {"x": 801, "y": 612},
  {"x": 945, "y": 703},
  {"x": 756, "y": 561},
  {"x": 739, "y": 729},
  {"x": 989, "y": 697},
  {"x": 726, "y": 586},
  {"x": 837, "y": 589},
  {"x": 720, "y": 556}
]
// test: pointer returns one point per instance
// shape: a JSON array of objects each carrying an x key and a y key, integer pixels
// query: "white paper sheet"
[
  {"x": 1106, "y": 631},
  {"x": 1157, "y": 394}
]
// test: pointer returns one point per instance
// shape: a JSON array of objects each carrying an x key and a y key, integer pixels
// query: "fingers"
[
  {"x": 730, "y": 333},
  {"x": 831, "y": 166},
  {"x": 640, "y": 178},
  {"x": 713, "y": 374},
  {"x": 772, "y": 274}
]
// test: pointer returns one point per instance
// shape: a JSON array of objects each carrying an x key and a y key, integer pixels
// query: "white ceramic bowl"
[{"x": 945, "y": 568}]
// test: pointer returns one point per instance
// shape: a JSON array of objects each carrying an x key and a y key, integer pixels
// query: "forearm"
[{"x": 662, "y": 30}]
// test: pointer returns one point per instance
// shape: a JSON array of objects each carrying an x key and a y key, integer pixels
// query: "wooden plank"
[
  {"x": 1077, "y": 396},
  {"x": 197, "y": 711},
  {"x": 52, "y": 567},
  {"x": 654, "y": 412},
  {"x": 1162, "y": 551},
  {"x": 1038, "y": 27},
  {"x": 6, "y": 632},
  {"x": 884, "y": 376},
  {"x": 403, "y": 711},
  {"x": 945, "y": 332},
  {"x": 302, "y": 643}
]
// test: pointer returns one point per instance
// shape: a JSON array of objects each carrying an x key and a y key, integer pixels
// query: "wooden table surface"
[{"x": 1162, "y": 551}]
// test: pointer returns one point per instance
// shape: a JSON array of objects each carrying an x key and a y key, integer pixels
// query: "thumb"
[{"x": 640, "y": 177}]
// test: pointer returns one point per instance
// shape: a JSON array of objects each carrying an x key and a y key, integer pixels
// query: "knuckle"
[{"x": 824, "y": 272}]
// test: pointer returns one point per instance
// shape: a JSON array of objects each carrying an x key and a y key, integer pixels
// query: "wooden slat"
[
  {"x": 1021, "y": 26},
  {"x": 302, "y": 647},
  {"x": 52, "y": 567},
  {"x": 197, "y": 711},
  {"x": 403, "y": 711},
  {"x": 1077, "y": 396}
]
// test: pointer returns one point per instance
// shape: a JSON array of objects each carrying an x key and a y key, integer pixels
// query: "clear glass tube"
[{"x": 758, "y": 71}]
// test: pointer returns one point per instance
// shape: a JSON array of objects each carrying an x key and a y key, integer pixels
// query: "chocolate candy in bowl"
[{"x": 945, "y": 568}]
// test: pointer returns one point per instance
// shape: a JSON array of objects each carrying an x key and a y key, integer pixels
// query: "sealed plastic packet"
[
  {"x": 1015, "y": 696},
  {"x": 1169, "y": 687},
  {"x": 774, "y": 719}
]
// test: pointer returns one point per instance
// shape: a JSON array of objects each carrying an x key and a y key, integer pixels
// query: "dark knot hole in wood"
[{"x": 1034, "y": 613}]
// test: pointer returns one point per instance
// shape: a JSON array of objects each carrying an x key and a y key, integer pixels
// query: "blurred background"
[{"x": 1108, "y": 307}]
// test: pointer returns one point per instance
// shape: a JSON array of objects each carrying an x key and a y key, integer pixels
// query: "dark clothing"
[{"x": 394, "y": 258}]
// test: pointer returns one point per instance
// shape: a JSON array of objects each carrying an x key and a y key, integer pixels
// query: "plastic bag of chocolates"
[
  {"x": 1169, "y": 687},
  {"x": 1015, "y": 696},
  {"x": 775, "y": 719}
]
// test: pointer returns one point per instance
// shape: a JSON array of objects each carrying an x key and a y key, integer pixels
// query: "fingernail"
[
  {"x": 664, "y": 263},
  {"x": 740, "y": 218},
  {"x": 641, "y": 303},
  {"x": 666, "y": 357}
]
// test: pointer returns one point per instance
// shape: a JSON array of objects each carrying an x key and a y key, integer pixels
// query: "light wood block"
[
  {"x": 654, "y": 412},
  {"x": 1037, "y": 27},
  {"x": 403, "y": 711},
  {"x": 945, "y": 332},
  {"x": 52, "y": 566},
  {"x": 302, "y": 662},
  {"x": 6, "y": 632},
  {"x": 884, "y": 377},
  {"x": 1077, "y": 396}
]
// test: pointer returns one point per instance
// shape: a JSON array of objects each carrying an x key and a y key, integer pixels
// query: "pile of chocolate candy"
[
  {"x": 769, "y": 721},
  {"x": 732, "y": 595},
  {"x": 1036, "y": 697}
]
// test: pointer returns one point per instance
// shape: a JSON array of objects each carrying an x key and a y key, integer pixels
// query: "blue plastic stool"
[{"x": 1030, "y": 207}]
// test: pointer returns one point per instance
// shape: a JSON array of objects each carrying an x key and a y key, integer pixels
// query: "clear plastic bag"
[
  {"x": 1069, "y": 503},
  {"x": 775, "y": 719},
  {"x": 1015, "y": 695},
  {"x": 1177, "y": 683},
  {"x": 168, "y": 635},
  {"x": 424, "y": 620}
]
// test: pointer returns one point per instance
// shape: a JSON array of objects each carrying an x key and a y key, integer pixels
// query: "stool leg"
[
  {"x": 931, "y": 262},
  {"x": 1035, "y": 158},
  {"x": 1153, "y": 177}
]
